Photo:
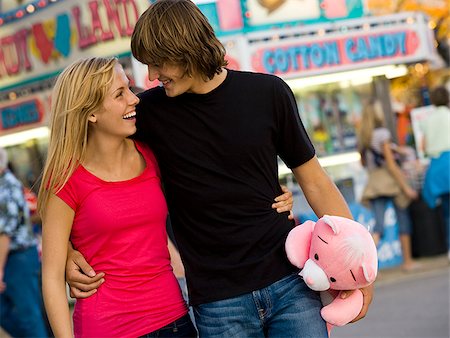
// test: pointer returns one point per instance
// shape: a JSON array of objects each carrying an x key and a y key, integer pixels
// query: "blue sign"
[
  {"x": 19, "y": 115},
  {"x": 389, "y": 248}
]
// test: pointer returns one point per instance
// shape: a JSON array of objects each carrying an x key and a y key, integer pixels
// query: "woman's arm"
[
  {"x": 5, "y": 241},
  {"x": 396, "y": 172},
  {"x": 56, "y": 229}
]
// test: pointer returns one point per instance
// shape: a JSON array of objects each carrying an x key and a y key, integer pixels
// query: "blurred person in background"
[
  {"x": 386, "y": 181},
  {"x": 436, "y": 144},
  {"x": 21, "y": 313}
]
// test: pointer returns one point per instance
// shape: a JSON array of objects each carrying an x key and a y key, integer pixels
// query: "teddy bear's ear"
[
  {"x": 298, "y": 243},
  {"x": 369, "y": 272},
  {"x": 333, "y": 225}
]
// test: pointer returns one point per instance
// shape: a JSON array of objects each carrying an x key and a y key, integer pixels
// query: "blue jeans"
[
  {"x": 21, "y": 303},
  {"x": 182, "y": 327},
  {"x": 378, "y": 206},
  {"x": 287, "y": 308}
]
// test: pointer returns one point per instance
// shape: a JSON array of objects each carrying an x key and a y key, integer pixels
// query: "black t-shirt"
[{"x": 217, "y": 154}]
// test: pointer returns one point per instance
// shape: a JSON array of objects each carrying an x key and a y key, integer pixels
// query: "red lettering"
[
  {"x": 97, "y": 24},
  {"x": 134, "y": 15},
  {"x": 85, "y": 36},
  {"x": 3, "y": 70},
  {"x": 22, "y": 50},
  {"x": 14, "y": 54},
  {"x": 113, "y": 16},
  {"x": 9, "y": 56}
]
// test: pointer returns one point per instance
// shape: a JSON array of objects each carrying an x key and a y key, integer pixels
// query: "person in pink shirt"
[{"x": 102, "y": 194}]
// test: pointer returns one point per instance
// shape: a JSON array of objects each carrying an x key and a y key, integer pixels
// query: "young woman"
[
  {"x": 102, "y": 191},
  {"x": 386, "y": 180}
]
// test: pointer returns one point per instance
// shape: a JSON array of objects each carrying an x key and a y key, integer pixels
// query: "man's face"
[{"x": 173, "y": 79}]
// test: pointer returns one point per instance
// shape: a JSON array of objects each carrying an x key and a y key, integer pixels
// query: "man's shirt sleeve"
[{"x": 9, "y": 212}]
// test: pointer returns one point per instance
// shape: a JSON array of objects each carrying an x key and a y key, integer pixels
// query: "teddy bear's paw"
[{"x": 342, "y": 311}]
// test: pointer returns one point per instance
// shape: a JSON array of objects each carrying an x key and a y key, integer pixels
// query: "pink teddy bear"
[{"x": 335, "y": 253}]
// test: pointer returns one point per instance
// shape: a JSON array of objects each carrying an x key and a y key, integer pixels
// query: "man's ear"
[{"x": 92, "y": 118}]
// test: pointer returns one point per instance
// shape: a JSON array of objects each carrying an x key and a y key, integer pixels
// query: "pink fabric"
[{"x": 120, "y": 229}]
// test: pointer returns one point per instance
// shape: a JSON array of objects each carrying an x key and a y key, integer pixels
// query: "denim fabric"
[
  {"x": 182, "y": 327},
  {"x": 21, "y": 304},
  {"x": 378, "y": 206},
  {"x": 287, "y": 308}
]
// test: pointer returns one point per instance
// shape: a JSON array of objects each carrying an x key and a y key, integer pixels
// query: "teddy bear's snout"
[
  {"x": 309, "y": 281},
  {"x": 314, "y": 276}
]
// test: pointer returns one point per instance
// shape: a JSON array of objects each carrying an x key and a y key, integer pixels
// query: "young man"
[{"x": 217, "y": 134}]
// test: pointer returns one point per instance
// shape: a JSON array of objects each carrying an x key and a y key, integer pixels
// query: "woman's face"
[{"x": 117, "y": 116}]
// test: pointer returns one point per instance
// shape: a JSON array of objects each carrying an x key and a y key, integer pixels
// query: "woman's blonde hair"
[
  {"x": 372, "y": 117},
  {"x": 78, "y": 92},
  {"x": 175, "y": 32}
]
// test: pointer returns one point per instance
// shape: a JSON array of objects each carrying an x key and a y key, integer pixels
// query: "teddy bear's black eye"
[
  {"x": 316, "y": 257},
  {"x": 332, "y": 279}
]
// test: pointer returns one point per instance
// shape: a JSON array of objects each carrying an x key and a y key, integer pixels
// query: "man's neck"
[{"x": 204, "y": 87}]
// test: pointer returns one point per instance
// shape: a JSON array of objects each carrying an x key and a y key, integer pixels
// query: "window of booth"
[
  {"x": 331, "y": 113},
  {"x": 26, "y": 160}
]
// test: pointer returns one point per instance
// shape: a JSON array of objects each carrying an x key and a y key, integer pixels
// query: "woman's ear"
[{"x": 92, "y": 118}]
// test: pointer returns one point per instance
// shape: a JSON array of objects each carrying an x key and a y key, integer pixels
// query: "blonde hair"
[
  {"x": 78, "y": 92},
  {"x": 372, "y": 117},
  {"x": 175, "y": 32}
]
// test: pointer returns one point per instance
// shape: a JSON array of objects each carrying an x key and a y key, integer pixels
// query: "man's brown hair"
[{"x": 175, "y": 32}]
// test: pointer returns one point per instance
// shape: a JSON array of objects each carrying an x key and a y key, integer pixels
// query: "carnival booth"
[
  {"x": 332, "y": 54},
  {"x": 333, "y": 69},
  {"x": 37, "y": 41}
]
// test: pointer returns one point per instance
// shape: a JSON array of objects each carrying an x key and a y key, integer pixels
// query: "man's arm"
[
  {"x": 9, "y": 216},
  {"x": 325, "y": 199},
  {"x": 4, "y": 250},
  {"x": 82, "y": 279},
  {"x": 320, "y": 191}
]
